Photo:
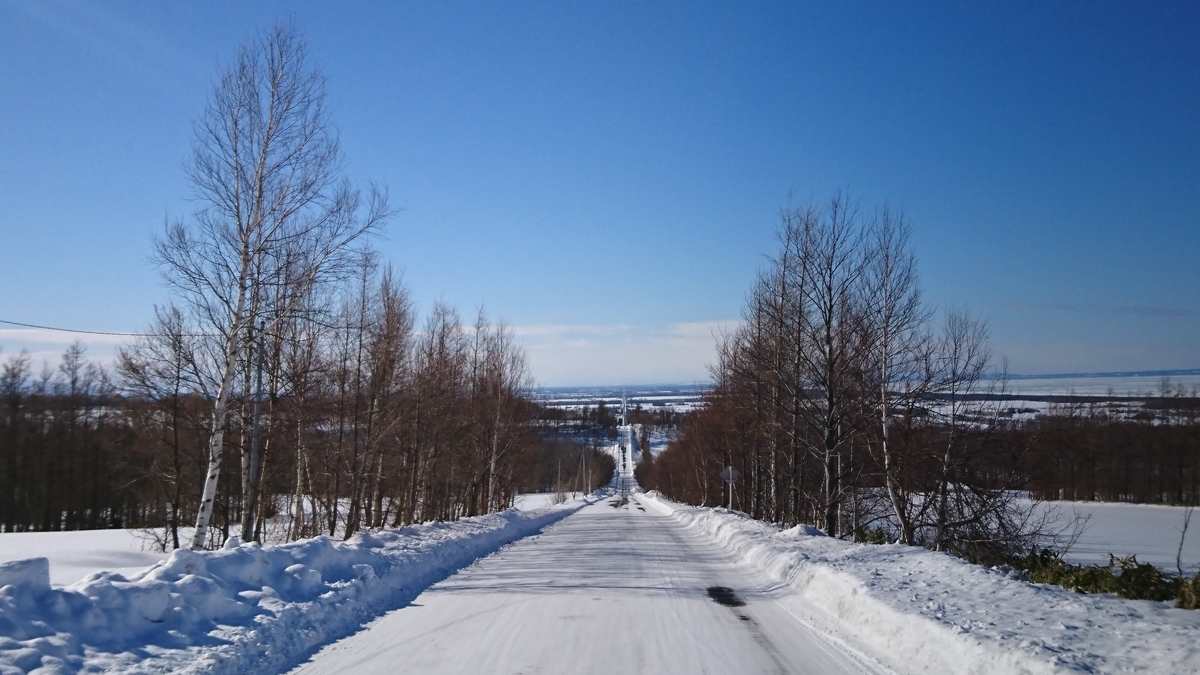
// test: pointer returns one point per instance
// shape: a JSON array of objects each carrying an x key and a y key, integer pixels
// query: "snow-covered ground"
[
  {"x": 673, "y": 397},
  {"x": 543, "y": 500},
  {"x": 660, "y": 438},
  {"x": 74, "y": 555},
  {"x": 884, "y": 607},
  {"x": 246, "y": 607},
  {"x": 921, "y": 611},
  {"x": 1149, "y": 531}
]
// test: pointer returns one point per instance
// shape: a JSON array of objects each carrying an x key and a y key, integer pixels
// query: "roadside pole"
[{"x": 730, "y": 475}]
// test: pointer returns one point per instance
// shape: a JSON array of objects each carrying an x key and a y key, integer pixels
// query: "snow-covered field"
[
  {"x": 246, "y": 607},
  {"x": 1149, "y": 531},
  {"x": 1102, "y": 385},
  {"x": 921, "y": 611},
  {"x": 74, "y": 555}
]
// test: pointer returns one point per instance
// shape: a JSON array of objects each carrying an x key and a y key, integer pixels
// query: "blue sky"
[{"x": 606, "y": 177}]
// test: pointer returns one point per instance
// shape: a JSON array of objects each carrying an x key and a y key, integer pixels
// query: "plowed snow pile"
[
  {"x": 247, "y": 608},
  {"x": 930, "y": 612}
]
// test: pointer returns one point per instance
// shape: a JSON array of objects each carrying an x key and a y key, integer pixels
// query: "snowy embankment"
[
  {"x": 922, "y": 611},
  {"x": 241, "y": 609}
]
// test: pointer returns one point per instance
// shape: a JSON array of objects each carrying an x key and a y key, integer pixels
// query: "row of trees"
[
  {"x": 1105, "y": 451},
  {"x": 276, "y": 291},
  {"x": 286, "y": 344},
  {"x": 57, "y": 434},
  {"x": 841, "y": 404},
  {"x": 362, "y": 422},
  {"x": 360, "y": 419}
]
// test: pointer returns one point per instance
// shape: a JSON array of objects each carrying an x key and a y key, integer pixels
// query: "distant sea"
[
  {"x": 678, "y": 397},
  {"x": 1138, "y": 384},
  {"x": 1132, "y": 383}
]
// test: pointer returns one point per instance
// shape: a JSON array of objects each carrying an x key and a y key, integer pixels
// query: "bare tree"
[
  {"x": 832, "y": 261},
  {"x": 159, "y": 370},
  {"x": 967, "y": 509},
  {"x": 273, "y": 222},
  {"x": 897, "y": 351},
  {"x": 500, "y": 386}
]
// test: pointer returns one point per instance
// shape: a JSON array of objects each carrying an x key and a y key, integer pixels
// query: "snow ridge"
[
  {"x": 241, "y": 609},
  {"x": 923, "y": 611}
]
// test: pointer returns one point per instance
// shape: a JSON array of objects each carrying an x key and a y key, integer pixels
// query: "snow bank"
[
  {"x": 930, "y": 612},
  {"x": 33, "y": 573},
  {"x": 246, "y": 607}
]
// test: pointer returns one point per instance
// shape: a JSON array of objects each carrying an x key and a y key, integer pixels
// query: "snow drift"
[
  {"x": 246, "y": 607},
  {"x": 922, "y": 611}
]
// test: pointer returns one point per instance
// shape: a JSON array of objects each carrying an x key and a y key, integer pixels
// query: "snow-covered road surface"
[{"x": 614, "y": 588}]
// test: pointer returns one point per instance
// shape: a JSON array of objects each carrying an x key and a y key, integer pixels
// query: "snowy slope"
[
  {"x": 246, "y": 607},
  {"x": 934, "y": 613}
]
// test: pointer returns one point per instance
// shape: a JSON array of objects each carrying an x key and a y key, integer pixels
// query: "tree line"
[
  {"x": 287, "y": 346},
  {"x": 842, "y": 403},
  {"x": 1100, "y": 449},
  {"x": 362, "y": 423},
  {"x": 57, "y": 435},
  {"x": 843, "y": 400}
]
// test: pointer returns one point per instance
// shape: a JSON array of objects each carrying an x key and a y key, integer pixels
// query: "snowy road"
[{"x": 610, "y": 589}]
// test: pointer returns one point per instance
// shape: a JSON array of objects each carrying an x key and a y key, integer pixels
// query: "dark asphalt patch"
[{"x": 725, "y": 596}]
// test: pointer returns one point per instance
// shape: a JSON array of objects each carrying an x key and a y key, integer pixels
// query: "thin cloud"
[
  {"x": 621, "y": 353},
  {"x": 551, "y": 331},
  {"x": 1131, "y": 310},
  {"x": 707, "y": 329}
]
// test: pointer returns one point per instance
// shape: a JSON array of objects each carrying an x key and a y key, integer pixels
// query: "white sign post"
[{"x": 729, "y": 475}]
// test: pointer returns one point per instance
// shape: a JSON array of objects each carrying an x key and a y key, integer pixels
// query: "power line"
[
  {"x": 309, "y": 319},
  {"x": 101, "y": 332},
  {"x": 69, "y": 330}
]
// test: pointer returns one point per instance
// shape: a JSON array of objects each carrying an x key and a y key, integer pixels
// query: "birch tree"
[
  {"x": 831, "y": 263},
  {"x": 898, "y": 350},
  {"x": 274, "y": 218}
]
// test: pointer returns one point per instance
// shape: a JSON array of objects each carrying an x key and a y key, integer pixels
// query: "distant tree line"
[
  {"x": 598, "y": 424},
  {"x": 61, "y": 433},
  {"x": 1096, "y": 449}
]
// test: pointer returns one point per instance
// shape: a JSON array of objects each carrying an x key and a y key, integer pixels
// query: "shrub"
[{"x": 1125, "y": 577}]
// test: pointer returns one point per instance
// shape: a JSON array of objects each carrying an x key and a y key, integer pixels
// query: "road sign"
[{"x": 730, "y": 474}]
